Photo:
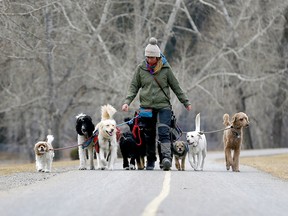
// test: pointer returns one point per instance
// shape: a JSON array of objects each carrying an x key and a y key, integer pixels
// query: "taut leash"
[{"x": 214, "y": 131}]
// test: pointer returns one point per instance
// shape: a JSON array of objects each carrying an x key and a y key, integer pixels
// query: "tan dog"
[
  {"x": 232, "y": 138},
  {"x": 180, "y": 150}
]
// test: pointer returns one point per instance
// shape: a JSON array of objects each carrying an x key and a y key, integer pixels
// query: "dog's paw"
[
  {"x": 126, "y": 168},
  {"x": 104, "y": 163},
  {"x": 82, "y": 168},
  {"x": 39, "y": 170},
  {"x": 47, "y": 171},
  {"x": 92, "y": 168},
  {"x": 132, "y": 167}
]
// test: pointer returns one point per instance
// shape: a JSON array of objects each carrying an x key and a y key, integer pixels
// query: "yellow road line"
[{"x": 152, "y": 207}]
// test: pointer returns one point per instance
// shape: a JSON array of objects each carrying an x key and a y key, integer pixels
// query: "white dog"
[
  {"x": 44, "y": 154},
  {"x": 107, "y": 140},
  {"x": 197, "y": 146}
]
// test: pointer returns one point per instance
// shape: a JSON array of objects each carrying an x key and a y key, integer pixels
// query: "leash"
[
  {"x": 215, "y": 131},
  {"x": 128, "y": 122},
  {"x": 90, "y": 138},
  {"x": 68, "y": 147}
]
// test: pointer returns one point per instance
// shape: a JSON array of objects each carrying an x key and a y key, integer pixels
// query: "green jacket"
[{"x": 151, "y": 96}]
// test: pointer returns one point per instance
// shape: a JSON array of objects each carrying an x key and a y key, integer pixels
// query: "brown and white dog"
[
  {"x": 180, "y": 150},
  {"x": 107, "y": 138},
  {"x": 232, "y": 138},
  {"x": 44, "y": 154}
]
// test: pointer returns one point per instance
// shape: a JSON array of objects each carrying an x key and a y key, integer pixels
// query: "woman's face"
[{"x": 151, "y": 60}]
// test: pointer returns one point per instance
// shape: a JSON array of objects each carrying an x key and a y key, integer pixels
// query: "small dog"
[
  {"x": 232, "y": 138},
  {"x": 85, "y": 129},
  {"x": 132, "y": 148},
  {"x": 180, "y": 150},
  {"x": 44, "y": 154},
  {"x": 197, "y": 146},
  {"x": 107, "y": 138}
]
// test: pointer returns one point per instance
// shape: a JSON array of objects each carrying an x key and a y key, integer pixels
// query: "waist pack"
[{"x": 144, "y": 112}]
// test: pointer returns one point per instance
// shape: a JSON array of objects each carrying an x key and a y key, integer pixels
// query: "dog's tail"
[
  {"x": 197, "y": 122},
  {"x": 50, "y": 139},
  {"x": 226, "y": 121},
  {"x": 107, "y": 112}
]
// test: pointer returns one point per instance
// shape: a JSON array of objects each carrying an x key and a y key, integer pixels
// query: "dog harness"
[
  {"x": 183, "y": 153},
  {"x": 94, "y": 139}
]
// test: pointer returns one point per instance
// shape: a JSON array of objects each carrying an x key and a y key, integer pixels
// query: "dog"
[
  {"x": 107, "y": 138},
  {"x": 232, "y": 138},
  {"x": 85, "y": 129},
  {"x": 197, "y": 145},
  {"x": 180, "y": 150},
  {"x": 44, "y": 154},
  {"x": 131, "y": 147}
]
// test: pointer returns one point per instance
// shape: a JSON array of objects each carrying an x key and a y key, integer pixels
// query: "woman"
[{"x": 153, "y": 98}]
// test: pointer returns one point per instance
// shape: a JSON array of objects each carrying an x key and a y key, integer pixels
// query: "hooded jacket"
[{"x": 151, "y": 96}]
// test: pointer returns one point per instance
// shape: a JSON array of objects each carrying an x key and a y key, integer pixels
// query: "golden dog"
[{"x": 232, "y": 138}]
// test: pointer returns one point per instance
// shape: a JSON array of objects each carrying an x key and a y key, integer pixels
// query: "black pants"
[{"x": 159, "y": 122}]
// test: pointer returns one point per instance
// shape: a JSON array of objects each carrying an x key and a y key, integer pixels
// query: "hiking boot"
[
  {"x": 166, "y": 163},
  {"x": 150, "y": 165}
]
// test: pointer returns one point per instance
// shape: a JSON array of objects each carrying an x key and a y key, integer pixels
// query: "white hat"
[{"x": 152, "y": 50}]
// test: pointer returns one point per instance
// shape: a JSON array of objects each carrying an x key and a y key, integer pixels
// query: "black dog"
[
  {"x": 132, "y": 147},
  {"x": 85, "y": 129}
]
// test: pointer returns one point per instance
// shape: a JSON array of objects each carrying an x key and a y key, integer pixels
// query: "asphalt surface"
[{"x": 213, "y": 191}]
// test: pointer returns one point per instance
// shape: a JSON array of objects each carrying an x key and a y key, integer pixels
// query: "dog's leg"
[
  {"x": 82, "y": 158},
  {"x": 91, "y": 156},
  {"x": 39, "y": 166},
  {"x": 235, "y": 166},
  {"x": 113, "y": 157},
  {"x": 132, "y": 163},
  {"x": 228, "y": 158},
  {"x": 140, "y": 164},
  {"x": 98, "y": 160},
  {"x": 81, "y": 152},
  {"x": 199, "y": 159},
  {"x": 177, "y": 165},
  {"x": 125, "y": 162},
  {"x": 191, "y": 158},
  {"x": 103, "y": 162},
  {"x": 203, "y": 159},
  {"x": 49, "y": 162},
  {"x": 183, "y": 163}
]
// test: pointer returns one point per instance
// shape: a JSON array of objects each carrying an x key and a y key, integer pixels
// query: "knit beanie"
[{"x": 152, "y": 50}]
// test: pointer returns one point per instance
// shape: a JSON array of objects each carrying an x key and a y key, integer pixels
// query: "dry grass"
[
  {"x": 16, "y": 168},
  {"x": 276, "y": 165}
]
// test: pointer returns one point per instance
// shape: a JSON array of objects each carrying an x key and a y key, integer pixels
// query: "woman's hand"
[
  {"x": 189, "y": 107},
  {"x": 125, "y": 107}
]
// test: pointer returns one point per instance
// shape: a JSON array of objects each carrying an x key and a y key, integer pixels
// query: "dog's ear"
[{"x": 234, "y": 118}]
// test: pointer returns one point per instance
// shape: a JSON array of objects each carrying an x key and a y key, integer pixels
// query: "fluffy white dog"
[
  {"x": 107, "y": 140},
  {"x": 197, "y": 146},
  {"x": 44, "y": 154}
]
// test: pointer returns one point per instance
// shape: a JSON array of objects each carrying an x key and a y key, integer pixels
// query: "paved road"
[{"x": 214, "y": 191}]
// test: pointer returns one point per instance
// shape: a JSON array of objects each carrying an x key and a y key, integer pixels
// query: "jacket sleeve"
[
  {"x": 175, "y": 86},
  {"x": 133, "y": 88}
]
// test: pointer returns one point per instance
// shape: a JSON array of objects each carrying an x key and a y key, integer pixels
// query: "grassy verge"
[{"x": 276, "y": 165}]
